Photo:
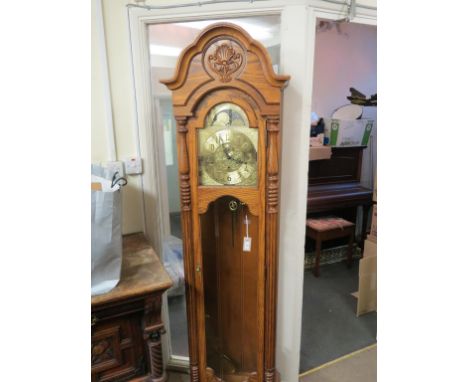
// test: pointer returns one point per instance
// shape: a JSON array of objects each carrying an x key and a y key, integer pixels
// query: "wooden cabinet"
[
  {"x": 126, "y": 325},
  {"x": 227, "y": 103}
]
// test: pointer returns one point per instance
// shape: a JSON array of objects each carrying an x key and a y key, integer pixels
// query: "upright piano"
[{"x": 334, "y": 185}]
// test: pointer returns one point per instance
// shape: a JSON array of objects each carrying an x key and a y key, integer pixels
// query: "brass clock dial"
[{"x": 227, "y": 148}]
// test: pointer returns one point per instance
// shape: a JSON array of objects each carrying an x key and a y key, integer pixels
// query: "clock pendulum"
[{"x": 233, "y": 208}]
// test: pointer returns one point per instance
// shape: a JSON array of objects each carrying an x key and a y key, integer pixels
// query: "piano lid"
[
  {"x": 335, "y": 183},
  {"x": 344, "y": 166}
]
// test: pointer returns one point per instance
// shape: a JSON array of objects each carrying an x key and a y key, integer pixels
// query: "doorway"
[{"x": 345, "y": 57}]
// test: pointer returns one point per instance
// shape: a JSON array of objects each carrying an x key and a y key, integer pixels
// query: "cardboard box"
[
  {"x": 319, "y": 152},
  {"x": 316, "y": 141},
  {"x": 370, "y": 248},
  {"x": 373, "y": 231},
  {"x": 367, "y": 294},
  {"x": 372, "y": 238},
  {"x": 342, "y": 132}
]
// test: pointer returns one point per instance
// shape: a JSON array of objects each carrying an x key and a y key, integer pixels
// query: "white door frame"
[
  {"x": 294, "y": 169},
  {"x": 298, "y": 18}
]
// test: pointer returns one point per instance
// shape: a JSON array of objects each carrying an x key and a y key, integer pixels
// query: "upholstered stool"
[{"x": 328, "y": 228}]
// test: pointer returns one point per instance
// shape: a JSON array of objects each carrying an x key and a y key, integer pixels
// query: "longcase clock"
[{"x": 227, "y": 102}]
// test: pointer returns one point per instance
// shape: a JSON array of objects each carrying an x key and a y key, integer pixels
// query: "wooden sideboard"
[{"x": 126, "y": 325}]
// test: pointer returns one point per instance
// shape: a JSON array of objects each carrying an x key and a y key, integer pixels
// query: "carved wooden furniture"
[
  {"x": 327, "y": 229},
  {"x": 334, "y": 184},
  {"x": 126, "y": 322},
  {"x": 227, "y": 102}
]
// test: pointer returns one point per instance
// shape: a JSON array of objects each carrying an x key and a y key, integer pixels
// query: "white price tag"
[{"x": 247, "y": 244}]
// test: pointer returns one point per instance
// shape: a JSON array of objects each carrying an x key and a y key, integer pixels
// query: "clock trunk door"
[{"x": 230, "y": 285}]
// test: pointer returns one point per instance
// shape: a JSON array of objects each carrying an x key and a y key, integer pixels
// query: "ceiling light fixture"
[{"x": 161, "y": 50}]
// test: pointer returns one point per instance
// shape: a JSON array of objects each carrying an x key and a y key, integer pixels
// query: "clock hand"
[
  {"x": 230, "y": 157},
  {"x": 227, "y": 153},
  {"x": 240, "y": 161}
]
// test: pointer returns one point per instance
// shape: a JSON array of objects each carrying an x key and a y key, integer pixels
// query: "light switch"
[{"x": 133, "y": 166}]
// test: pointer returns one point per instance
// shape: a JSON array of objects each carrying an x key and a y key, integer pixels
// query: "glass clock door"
[{"x": 230, "y": 275}]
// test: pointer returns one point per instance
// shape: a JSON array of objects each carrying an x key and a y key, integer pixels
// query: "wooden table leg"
[
  {"x": 365, "y": 215},
  {"x": 152, "y": 331},
  {"x": 153, "y": 343},
  {"x": 318, "y": 245},
  {"x": 350, "y": 248}
]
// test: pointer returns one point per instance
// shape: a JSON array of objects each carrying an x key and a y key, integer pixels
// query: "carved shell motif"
[{"x": 225, "y": 61}]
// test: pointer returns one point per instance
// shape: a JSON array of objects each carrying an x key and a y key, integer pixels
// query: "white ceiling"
[{"x": 168, "y": 40}]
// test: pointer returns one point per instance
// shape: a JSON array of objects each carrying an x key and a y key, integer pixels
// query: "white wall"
[
  {"x": 98, "y": 131},
  {"x": 295, "y": 53},
  {"x": 347, "y": 57},
  {"x": 118, "y": 56}
]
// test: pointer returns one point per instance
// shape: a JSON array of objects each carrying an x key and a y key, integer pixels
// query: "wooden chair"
[{"x": 328, "y": 228}]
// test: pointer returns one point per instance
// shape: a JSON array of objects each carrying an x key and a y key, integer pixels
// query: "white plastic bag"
[{"x": 106, "y": 233}]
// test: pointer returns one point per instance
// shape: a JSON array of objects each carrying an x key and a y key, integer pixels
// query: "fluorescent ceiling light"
[
  {"x": 161, "y": 50},
  {"x": 256, "y": 31}
]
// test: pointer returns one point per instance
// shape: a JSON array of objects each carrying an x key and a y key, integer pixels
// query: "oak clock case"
[{"x": 227, "y": 101}]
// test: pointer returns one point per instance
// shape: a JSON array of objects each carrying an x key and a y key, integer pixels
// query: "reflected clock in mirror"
[{"x": 227, "y": 148}]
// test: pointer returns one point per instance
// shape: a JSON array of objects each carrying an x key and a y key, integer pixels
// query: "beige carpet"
[{"x": 360, "y": 366}]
